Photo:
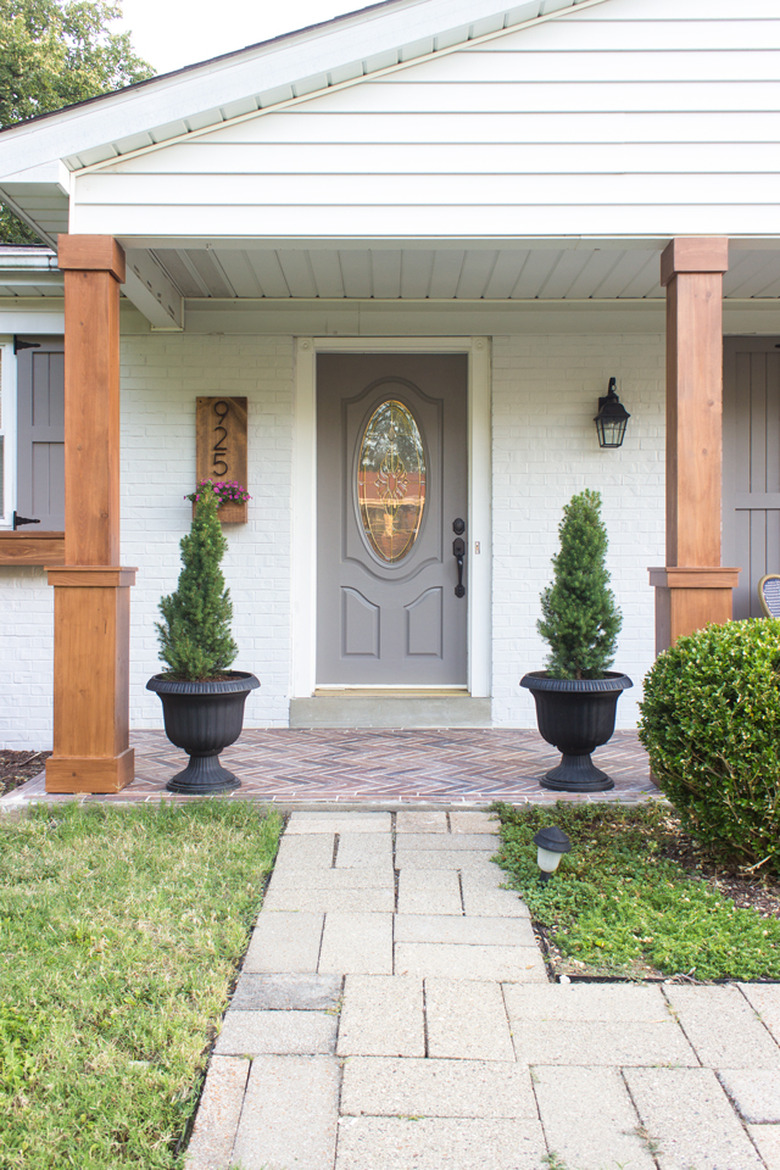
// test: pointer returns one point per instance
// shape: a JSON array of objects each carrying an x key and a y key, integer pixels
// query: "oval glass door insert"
[{"x": 391, "y": 481}]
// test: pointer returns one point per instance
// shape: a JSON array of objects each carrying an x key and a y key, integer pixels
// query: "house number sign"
[{"x": 221, "y": 445}]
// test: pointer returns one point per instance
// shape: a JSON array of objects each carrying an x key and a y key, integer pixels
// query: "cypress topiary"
[
  {"x": 580, "y": 620},
  {"x": 195, "y": 638}
]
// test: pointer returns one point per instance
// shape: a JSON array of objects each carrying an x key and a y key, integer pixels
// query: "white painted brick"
[
  {"x": 545, "y": 394},
  {"x": 545, "y": 391}
]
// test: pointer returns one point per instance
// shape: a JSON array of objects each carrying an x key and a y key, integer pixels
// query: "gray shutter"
[
  {"x": 751, "y": 464},
  {"x": 41, "y": 434}
]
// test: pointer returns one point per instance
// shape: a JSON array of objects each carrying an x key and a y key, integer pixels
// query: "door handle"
[{"x": 459, "y": 552}]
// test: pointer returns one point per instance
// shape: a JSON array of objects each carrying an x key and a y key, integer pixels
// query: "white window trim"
[
  {"x": 8, "y": 428},
  {"x": 304, "y": 536}
]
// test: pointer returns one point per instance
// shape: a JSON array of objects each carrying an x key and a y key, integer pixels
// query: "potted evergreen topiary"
[
  {"x": 203, "y": 699},
  {"x": 576, "y": 697}
]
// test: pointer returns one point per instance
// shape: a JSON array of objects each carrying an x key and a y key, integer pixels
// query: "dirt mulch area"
[{"x": 18, "y": 767}]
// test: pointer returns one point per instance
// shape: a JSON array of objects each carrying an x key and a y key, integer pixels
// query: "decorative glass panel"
[{"x": 391, "y": 481}]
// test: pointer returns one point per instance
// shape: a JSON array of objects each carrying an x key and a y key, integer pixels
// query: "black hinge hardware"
[{"x": 18, "y": 520}]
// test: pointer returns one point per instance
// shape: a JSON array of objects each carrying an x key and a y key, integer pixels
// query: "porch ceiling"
[
  {"x": 436, "y": 271},
  {"x": 415, "y": 271}
]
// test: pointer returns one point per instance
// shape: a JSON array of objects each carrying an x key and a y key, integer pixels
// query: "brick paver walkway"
[
  {"x": 393, "y": 1013},
  {"x": 294, "y": 768}
]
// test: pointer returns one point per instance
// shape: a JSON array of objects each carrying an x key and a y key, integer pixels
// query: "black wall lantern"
[{"x": 611, "y": 419}]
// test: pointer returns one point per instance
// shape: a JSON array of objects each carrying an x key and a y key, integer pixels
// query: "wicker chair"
[{"x": 769, "y": 595}]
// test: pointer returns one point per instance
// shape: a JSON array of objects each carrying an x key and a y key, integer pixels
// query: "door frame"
[{"x": 304, "y": 497}]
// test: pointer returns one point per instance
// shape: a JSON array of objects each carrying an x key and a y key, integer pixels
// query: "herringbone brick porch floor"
[{"x": 297, "y": 768}]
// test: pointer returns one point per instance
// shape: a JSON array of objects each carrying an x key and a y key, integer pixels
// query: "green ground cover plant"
[
  {"x": 120, "y": 935},
  {"x": 634, "y": 899}
]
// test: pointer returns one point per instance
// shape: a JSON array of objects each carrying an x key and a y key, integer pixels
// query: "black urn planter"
[
  {"x": 576, "y": 716},
  {"x": 203, "y": 718}
]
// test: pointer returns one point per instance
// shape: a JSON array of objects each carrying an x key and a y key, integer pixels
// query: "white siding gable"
[{"x": 630, "y": 118}]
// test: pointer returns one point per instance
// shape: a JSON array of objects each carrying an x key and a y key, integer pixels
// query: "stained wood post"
[
  {"x": 693, "y": 588},
  {"x": 91, "y": 592}
]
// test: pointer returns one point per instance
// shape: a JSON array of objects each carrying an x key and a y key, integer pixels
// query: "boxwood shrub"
[{"x": 711, "y": 724}]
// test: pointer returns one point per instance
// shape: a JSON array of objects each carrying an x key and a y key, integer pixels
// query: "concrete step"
[{"x": 389, "y": 709}]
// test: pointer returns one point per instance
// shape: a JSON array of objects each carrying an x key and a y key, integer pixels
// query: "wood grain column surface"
[
  {"x": 91, "y": 592},
  {"x": 692, "y": 273}
]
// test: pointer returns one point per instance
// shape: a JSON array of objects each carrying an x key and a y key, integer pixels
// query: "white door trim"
[{"x": 304, "y": 497}]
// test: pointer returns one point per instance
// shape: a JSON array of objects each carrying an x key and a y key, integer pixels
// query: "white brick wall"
[
  {"x": 545, "y": 394},
  {"x": 161, "y": 378},
  {"x": 26, "y": 624},
  {"x": 544, "y": 450}
]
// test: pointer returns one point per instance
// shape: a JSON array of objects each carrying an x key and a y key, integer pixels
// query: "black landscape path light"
[
  {"x": 612, "y": 418},
  {"x": 551, "y": 843}
]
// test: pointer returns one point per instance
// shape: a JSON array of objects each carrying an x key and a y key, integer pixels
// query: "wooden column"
[
  {"x": 692, "y": 589},
  {"x": 91, "y": 592}
]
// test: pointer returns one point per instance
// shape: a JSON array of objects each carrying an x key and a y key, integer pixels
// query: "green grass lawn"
[
  {"x": 120, "y": 933},
  {"x": 620, "y": 904}
]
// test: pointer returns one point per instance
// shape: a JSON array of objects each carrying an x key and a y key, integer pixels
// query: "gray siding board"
[
  {"x": 40, "y": 434},
  {"x": 751, "y": 465}
]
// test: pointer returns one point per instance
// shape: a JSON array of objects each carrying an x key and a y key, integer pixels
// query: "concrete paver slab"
[
  {"x": 767, "y": 1140},
  {"x": 216, "y": 1124},
  {"x": 467, "y": 1020},
  {"x": 420, "y": 821},
  {"x": 621, "y": 1044},
  {"x": 588, "y": 1117},
  {"x": 483, "y": 897},
  {"x": 290, "y": 992},
  {"x": 252, "y": 1033},
  {"x": 765, "y": 999},
  {"x": 284, "y": 942},
  {"x": 395, "y": 1143},
  {"x": 512, "y": 963},
  {"x": 436, "y": 1088},
  {"x": 451, "y": 928},
  {"x": 587, "y": 1002},
  {"x": 687, "y": 1114},
  {"x": 282, "y": 1092},
  {"x": 376, "y": 900},
  {"x": 723, "y": 1027},
  {"x": 484, "y": 877},
  {"x": 363, "y": 849},
  {"x": 374, "y": 877},
  {"x": 472, "y": 860},
  {"x": 339, "y": 822},
  {"x": 755, "y": 1093},
  {"x": 382, "y": 1016},
  {"x": 357, "y": 943},
  {"x": 473, "y": 822},
  {"x": 481, "y": 842},
  {"x": 310, "y": 850},
  {"x": 429, "y": 891}
]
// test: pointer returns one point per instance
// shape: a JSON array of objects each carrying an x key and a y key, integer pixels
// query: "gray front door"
[{"x": 391, "y": 482}]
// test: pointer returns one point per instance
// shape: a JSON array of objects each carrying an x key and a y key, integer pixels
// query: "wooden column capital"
[
  {"x": 91, "y": 254},
  {"x": 694, "y": 255}
]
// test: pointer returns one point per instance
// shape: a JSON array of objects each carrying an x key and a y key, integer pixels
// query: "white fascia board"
[{"x": 208, "y": 87}]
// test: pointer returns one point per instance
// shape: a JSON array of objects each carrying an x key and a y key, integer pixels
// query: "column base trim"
[{"x": 77, "y": 774}]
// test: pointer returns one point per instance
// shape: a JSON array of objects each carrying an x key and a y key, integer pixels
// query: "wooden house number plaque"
[{"x": 220, "y": 428}]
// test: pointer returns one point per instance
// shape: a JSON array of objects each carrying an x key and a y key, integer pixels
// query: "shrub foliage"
[
  {"x": 195, "y": 638},
  {"x": 580, "y": 621},
  {"x": 711, "y": 724}
]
